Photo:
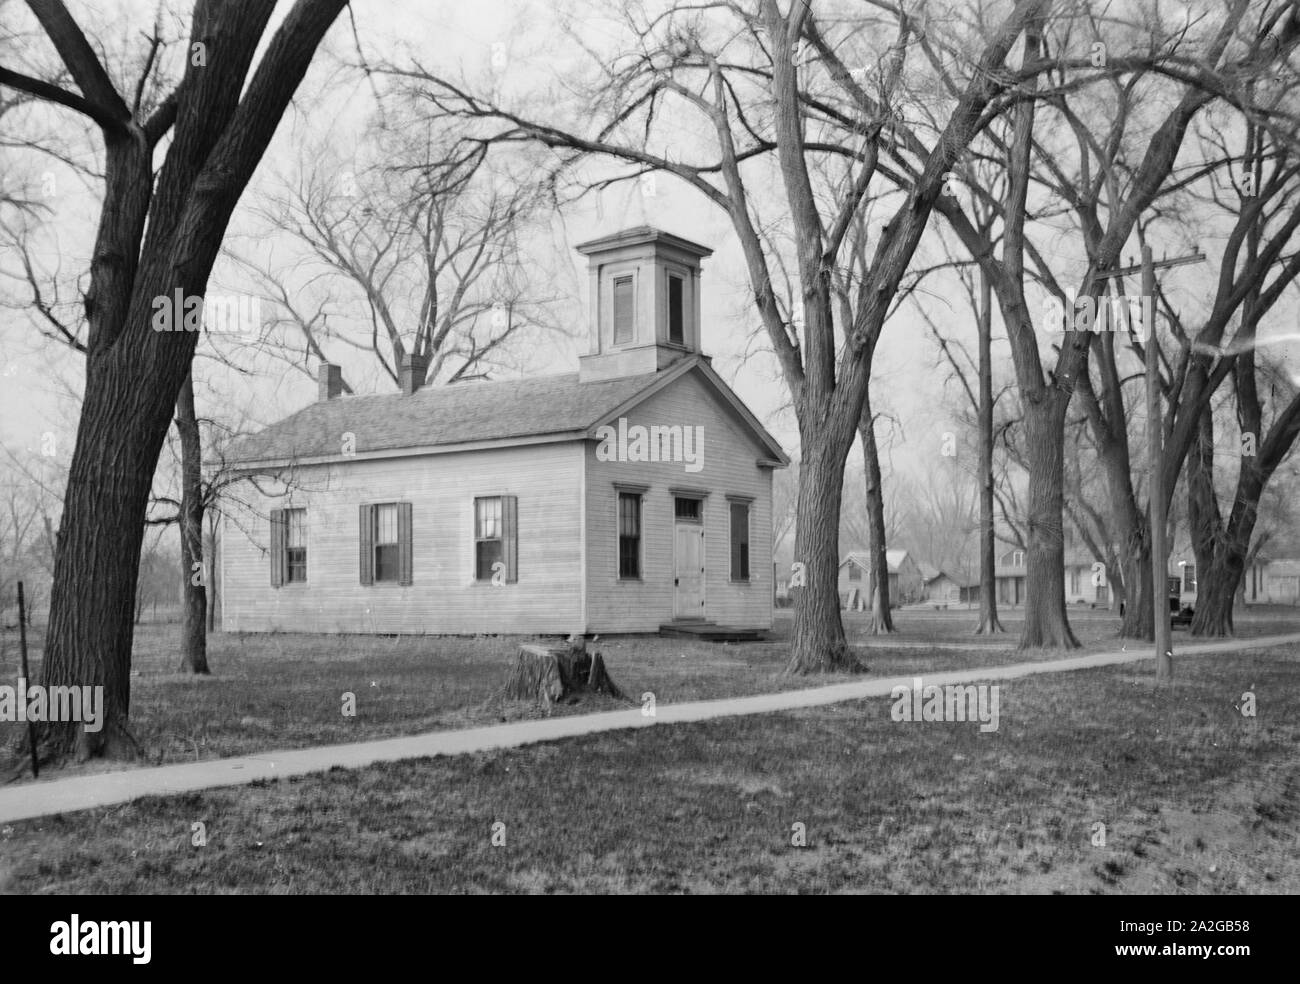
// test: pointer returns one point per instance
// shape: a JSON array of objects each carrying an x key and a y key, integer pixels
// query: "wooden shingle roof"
[
  {"x": 456, "y": 414},
  {"x": 893, "y": 559},
  {"x": 533, "y": 408}
]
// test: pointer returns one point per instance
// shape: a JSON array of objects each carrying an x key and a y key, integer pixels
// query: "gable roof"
[
  {"x": 893, "y": 559},
  {"x": 538, "y": 408},
  {"x": 930, "y": 573}
]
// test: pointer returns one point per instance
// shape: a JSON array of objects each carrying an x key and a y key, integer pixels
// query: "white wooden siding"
[
  {"x": 729, "y": 468},
  {"x": 845, "y": 585},
  {"x": 444, "y": 598}
]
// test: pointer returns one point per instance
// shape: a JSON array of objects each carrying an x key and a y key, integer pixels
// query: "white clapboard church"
[{"x": 633, "y": 494}]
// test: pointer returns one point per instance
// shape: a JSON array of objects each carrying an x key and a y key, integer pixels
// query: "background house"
[
  {"x": 905, "y": 582},
  {"x": 941, "y": 587},
  {"x": 1085, "y": 582},
  {"x": 1272, "y": 582},
  {"x": 1009, "y": 576},
  {"x": 1085, "y": 579}
]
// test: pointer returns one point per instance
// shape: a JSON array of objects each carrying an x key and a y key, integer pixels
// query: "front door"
[{"x": 688, "y": 560}]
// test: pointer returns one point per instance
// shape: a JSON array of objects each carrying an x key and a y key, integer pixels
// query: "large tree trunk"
[
  {"x": 92, "y": 602},
  {"x": 817, "y": 641},
  {"x": 988, "y": 623},
  {"x": 159, "y": 233},
  {"x": 1110, "y": 436},
  {"x": 1046, "y": 622},
  {"x": 882, "y": 622},
  {"x": 1139, "y": 615},
  {"x": 1204, "y": 520},
  {"x": 1221, "y": 555},
  {"x": 1217, "y": 583},
  {"x": 1219, "y": 575},
  {"x": 1116, "y": 581},
  {"x": 194, "y": 639},
  {"x": 1216, "y": 591}
]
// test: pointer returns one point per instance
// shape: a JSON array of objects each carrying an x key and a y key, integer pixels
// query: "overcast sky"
[{"x": 455, "y": 38}]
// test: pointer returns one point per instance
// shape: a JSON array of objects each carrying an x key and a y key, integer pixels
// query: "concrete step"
[{"x": 710, "y": 631}]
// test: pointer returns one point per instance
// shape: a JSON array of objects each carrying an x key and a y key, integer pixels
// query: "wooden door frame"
[{"x": 674, "y": 495}]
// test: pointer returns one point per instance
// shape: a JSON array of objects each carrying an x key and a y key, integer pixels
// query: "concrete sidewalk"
[{"x": 35, "y": 799}]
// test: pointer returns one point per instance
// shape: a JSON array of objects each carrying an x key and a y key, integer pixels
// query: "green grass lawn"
[
  {"x": 270, "y": 692},
  {"x": 1195, "y": 797}
]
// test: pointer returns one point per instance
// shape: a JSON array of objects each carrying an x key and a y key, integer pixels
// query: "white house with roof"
[
  {"x": 1009, "y": 573},
  {"x": 1085, "y": 577},
  {"x": 632, "y": 494},
  {"x": 1272, "y": 582},
  {"x": 905, "y": 582},
  {"x": 941, "y": 586}
]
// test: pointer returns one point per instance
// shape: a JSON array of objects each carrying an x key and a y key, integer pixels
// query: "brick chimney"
[
  {"x": 329, "y": 379},
  {"x": 412, "y": 374}
]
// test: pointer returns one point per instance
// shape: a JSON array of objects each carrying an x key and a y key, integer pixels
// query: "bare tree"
[
  {"x": 416, "y": 255},
  {"x": 744, "y": 76},
  {"x": 943, "y": 523},
  {"x": 979, "y": 298},
  {"x": 1223, "y": 549},
  {"x": 159, "y": 232},
  {"x": 1107, "y": 212},
  {"x": 26, "y": 546},
  {"x": 882, "y": 621},
  {"x": 1196, "y": 360}
]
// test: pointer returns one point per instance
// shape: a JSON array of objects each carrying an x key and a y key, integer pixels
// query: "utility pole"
[{"x": 1156, "y": 486}]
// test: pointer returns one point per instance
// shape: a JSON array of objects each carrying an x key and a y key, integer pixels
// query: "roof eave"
[{"x": 291, "y": 461}]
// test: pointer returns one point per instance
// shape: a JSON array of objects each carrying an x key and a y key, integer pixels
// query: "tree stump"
[{"x": 547, "y": 675}]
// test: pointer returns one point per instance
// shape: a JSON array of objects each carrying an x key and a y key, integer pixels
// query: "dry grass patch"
[{"x": 709, "y": 807}]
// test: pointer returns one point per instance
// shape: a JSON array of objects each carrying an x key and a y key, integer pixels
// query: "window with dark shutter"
[
  {"x": 386, "y": 543},
  {"x": 404, "y": 544},
  {"x": 629, "y": 535},
  {"x": 739, "y": 541},
  {"x": 295, "y": 546},
  {"x": 510, "y": 533},
  {"x": 489, "y": 541},
  {"x": 624, "y": 309},
  {"x": 279, "y": 531},
  {"x": 366, "y": 524}
]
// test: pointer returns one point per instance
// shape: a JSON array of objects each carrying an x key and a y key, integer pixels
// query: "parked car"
[{"x": 1180, "y": 615}]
